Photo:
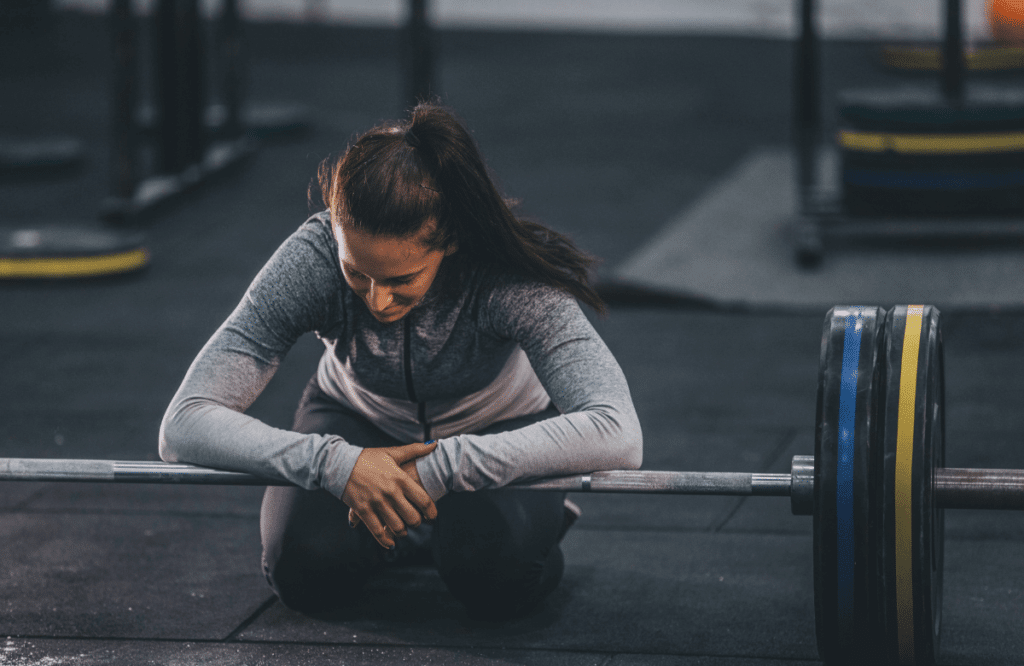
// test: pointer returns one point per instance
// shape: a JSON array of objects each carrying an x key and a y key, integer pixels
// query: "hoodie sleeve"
[
  {"x": 205, "y": 424},
  {"x": 598, "y": 428}
]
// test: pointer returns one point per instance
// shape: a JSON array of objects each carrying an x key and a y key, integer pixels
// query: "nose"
[{"x": 379, "y": 298}]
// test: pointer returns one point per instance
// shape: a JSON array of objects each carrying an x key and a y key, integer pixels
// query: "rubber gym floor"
[{"x": 606, "y": 137}]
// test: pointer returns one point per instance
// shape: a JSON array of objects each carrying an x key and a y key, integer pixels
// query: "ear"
[{"x": 451, "y": 249}]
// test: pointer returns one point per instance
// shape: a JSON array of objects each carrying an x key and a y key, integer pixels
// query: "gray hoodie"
[{"x": 483, "y": 347}]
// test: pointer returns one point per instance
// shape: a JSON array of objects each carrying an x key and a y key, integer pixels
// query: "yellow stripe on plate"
[
  {"x": 904, "y": 487},
  {"x": 73, "y": 267},
  {"x": 931, "y": 144}
]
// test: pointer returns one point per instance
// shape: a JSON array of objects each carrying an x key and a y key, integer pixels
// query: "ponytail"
[{"x": 398, "y": 175}]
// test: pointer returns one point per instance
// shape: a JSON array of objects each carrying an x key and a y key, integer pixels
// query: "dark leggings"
[{"x": 496, "y": 550}]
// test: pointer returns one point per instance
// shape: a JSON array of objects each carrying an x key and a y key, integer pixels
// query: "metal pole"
[
  {"x": 123, "y": 163},
  {"x": 419, "y": 57},
  {"x": 979, "y": 488},
  {"x": 620, "y": 481},
  {"x": 953, "y": 65},
  {"x": 231, "y": 49},
  {"x": 954, "y": 488},
  {"x": 674, "y": 483},
  {"x": 122, "y": 471},
  {"x": 180, "y": 85},
  {"x": 806, "y": 106},
  {"x": 166, "y": 69},
  {"x": 193, "y": 79}
]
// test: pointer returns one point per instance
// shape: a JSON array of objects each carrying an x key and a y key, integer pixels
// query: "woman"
[{"x": 457, "y": 361}]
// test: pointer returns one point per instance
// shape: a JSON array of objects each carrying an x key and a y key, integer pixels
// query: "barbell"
[{"x": 876, "y": 485}]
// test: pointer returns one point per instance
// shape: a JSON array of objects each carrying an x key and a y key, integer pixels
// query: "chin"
[{"x": 389, "y": 318}]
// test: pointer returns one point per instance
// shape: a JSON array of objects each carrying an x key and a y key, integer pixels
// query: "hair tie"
[{"x": 411, "y": 138}]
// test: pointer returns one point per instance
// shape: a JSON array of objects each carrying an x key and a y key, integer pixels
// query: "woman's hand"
[
  {"x": 385, "y": 493},
  {"x": 410, "y": 469}
]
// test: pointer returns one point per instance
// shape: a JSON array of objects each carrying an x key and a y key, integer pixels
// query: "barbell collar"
[{"x": 801, "y": 494}]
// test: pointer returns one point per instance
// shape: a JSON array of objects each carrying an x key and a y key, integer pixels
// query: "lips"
[
  {"x": 393, "y": 312},
  {"x": 387, "y": 314}
]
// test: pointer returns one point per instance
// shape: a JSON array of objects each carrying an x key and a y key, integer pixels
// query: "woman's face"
[{"x": 390, "y": 274}]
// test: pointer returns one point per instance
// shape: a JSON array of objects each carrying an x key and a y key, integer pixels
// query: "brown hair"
[{"x": 400, "y": 174}]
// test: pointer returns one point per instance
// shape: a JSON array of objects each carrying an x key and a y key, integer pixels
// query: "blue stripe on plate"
[{"x": 844, "y": 468}]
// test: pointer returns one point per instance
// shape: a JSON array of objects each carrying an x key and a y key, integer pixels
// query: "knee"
[
  {"x": 313, "y": 577},
  {"x": 497, "y": 582},
  {"x": 497, "y": 553}
]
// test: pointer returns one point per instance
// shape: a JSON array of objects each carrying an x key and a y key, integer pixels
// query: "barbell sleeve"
[{"x": 957, "y": 488}]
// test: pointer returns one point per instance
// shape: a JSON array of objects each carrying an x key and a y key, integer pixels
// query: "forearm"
[
  {"x": 200, "y": 432},
  {"x": 296, "y": 292},
  {"x": 598, "y": 438},
  {"x": 205, "y": 424}
]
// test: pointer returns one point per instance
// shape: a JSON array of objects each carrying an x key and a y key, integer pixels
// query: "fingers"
[
  {"x": 405, "y": 457},
  {"x": 385, "y": 497},
  {"x": 407, "y": 516},
  {"x": 380, "y": 533},
  {"x": 403, "y": 454},
  {"x": 418, "y": 497},
  {"x": 386, "y": 532}
]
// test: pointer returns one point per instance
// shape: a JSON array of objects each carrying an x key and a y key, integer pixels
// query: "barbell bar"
[
  {"x": 876, "y": 485},
  {"x": 954, "y": 488}
]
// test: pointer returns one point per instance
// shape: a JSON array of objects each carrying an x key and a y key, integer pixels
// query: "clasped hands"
[{"x": 384, "y": 492}]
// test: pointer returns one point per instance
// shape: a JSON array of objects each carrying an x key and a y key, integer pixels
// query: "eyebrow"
[{"x": 394, "y": 278}]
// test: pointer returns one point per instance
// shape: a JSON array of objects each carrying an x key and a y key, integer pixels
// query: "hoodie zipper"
[{"x": 421, "y": 406}]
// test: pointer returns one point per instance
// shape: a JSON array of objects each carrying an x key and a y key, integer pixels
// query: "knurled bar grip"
[
  {"x": 954, "y": 488},
  {"x": 623, "y": 481},
  {"x": 123, "y": 471},
  {"x": 679, "y": 483}
]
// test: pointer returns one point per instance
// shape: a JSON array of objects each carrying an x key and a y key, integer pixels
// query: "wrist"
[
  {"x": 339, "y": 459},
  {"x": 428, "y": 474}
]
